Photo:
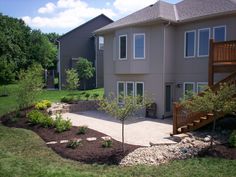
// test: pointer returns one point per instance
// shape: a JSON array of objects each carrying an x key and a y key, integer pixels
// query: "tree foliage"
[
  {"x": 123, "y": 111},
  {"x": 30, "y": 85},
  {"x": 72, "y": 79},
  {"x": 85, "y": 70},
  {"x": 20, "y": 46}
]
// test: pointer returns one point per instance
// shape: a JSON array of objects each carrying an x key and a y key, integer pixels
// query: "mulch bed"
[{"x": 88, "y": 152}]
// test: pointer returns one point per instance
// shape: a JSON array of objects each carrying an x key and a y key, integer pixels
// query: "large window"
[
  {"x": 120, "y": 92},
  {"x": 123, "y": 47},
  {"x": 201, "y": 86},
  {"x": 189, "y": 87},
  {"x": 139, "y": 46},
  {"x": 219, "y": 33},
  {"x": 130, "y": 88},
  {"x": 139, "y": 90},
  {"x": 189, "y": 44},
  {"x": 203, "y": 42},
  {"x": 101, "y": 42}
]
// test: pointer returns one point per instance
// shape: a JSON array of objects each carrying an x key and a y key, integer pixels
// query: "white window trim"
[
  {"x": 126, "y": 47},
  {"x": 117, "y": 91},
  {"x": 194, "y": 31},
  {"x": 201, "y": 83},
  {"x": 126, "y": 87},
  {"x": 144, "y": 53},
  {"x": 198, "y": 46},
  {"x": 222, "y": 26},
  {"x": 136, "y": 87},
  {"x": 193, "y": 83},
  {"x": 99, "y": 44}
]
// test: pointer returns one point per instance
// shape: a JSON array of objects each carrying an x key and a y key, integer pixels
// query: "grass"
[
  {"x": 9, "y": 103},
  {"x": 23, "y": 153}
]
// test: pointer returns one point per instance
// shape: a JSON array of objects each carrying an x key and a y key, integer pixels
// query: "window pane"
[
  {"x": 123, "y": 47},
  {"x": 139, "y": 46},
  {"x": 101, "y": 42},
  {"x": 204, "y": 36},
  {"x": 219, "y": 34},
  {"x": 121, "y": 92},
  {"x": 130, "y": 89},
  {"x": 189, "y": 88},
  {"x": 190, "y": 44},
  {"x": 201, "y": 87},
  {"x": 139, "y": 91}
]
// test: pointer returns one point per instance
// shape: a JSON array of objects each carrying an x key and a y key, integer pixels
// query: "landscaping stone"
[
  {"x": 207, "y": 138},
  {"x": 51, "y": 142},
  {"x": 64, "y": 141},
  {"x": 179, "y": 137},
  {"x": 105, "y": 138},
  {"x": 91, "y": 139}
]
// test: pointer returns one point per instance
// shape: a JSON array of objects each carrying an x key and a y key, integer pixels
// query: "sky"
[{"x": 61, "y": 16}]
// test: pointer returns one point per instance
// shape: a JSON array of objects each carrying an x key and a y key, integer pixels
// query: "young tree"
[
  {"x": 72, "y": 79},
  {"x": 85, "y": 70},
  {"x": 123, "y": 111},
  {"x": 29, "y": 85}
]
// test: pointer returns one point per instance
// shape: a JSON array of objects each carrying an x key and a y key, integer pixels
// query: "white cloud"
[
  {"x": 129, "y": 6},
  {"x": 48, "y": 8},
  {"x": 67, "y": 14}
]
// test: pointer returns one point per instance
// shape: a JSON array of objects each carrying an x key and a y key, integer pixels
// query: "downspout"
[
  {"x": 96, "y": 58},
  {"x": 59, "y": 63},
  {"x": 164, "y": 63}
]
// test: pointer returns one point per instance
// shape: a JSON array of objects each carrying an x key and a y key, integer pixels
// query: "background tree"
[
  {"x": 123, "y": 111},
  {"x": 72, "y": 79},
  {"x": 85, "y": 70},
  {"x": 30, "y": 85}
]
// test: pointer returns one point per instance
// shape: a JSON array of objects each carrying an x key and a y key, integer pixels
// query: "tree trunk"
[{"x": 123, "y": 136}]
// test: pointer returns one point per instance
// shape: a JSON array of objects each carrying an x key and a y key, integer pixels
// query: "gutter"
[{"x": 59, "y": 64}]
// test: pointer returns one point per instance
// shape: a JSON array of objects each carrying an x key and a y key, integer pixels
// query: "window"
[
  {"x": 189, "y": 87},
  {"x": 189, "y": 44},
  {"x": 139, "y": 90},
  {"x": 219, "y": 33},
  {"x": 123, "y": 47},
  {"x": 139, "y": 46},
  {"x": 201, "y": 86},
  {"x": 203, "y": 42},
  {"x": 130, "y": 88},
  {"x": 120, "y": 92},
  {"x": 101, "y": 42}
]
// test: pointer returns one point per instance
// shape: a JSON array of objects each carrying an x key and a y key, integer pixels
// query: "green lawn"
[
  {"x": 9, "y": 103},
  {"x": 23, "y": 154}
]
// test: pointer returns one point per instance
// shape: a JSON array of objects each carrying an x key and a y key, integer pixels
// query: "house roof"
[
  {"x": 102, "y": 15},
  {"x": 186, "y": 10}
]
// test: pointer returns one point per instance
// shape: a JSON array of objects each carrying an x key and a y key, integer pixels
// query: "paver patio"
[{"x": 138, "y": 131}]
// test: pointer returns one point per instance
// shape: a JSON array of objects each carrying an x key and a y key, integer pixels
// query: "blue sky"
[{"x": 63, "y": 15}]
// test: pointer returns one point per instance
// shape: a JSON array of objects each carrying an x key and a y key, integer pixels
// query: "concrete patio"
[{"x": 138, "y": 131}]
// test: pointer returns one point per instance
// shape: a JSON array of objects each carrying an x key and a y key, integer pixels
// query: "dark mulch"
[{"x": 88, "y": 152}]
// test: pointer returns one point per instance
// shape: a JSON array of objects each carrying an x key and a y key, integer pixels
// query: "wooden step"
[
  {"x": 197, "y": 121},
  {"x": 203, "y": 118},
  {"x": 190, "y": 124}
]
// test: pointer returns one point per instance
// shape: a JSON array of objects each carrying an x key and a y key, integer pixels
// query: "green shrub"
[
  {"x": 87, "y": 95},
  {"x": 36, "y": 117},
  {"x": 44, "y": 104},
  {"x": 62, "y": 125},
  {"x": 107, "y": 144},
  {"x": 232, "y": 139},
  {"x": 74, "y": 144},
  {"x": 69, "y": 99},
  {"x": 95, "y": 96},
  {"x": 82, "y": 130}
]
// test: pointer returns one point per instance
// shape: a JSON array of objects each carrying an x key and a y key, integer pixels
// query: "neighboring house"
[
  {"x": 162, "y": 50},
  {"x": 80, "y": 42}
]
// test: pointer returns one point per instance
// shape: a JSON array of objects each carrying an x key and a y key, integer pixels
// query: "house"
[
  {"x": 80, "y": 42},
  {"x": 163, "y": 49}
]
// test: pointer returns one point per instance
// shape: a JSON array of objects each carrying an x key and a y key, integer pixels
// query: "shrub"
[
  {"x": 38, "y": 118},
  {"x": 74, "y": 144},
  {"x": 62, "y": 125},
  {"x": 232, "y": 139},
  {"x": 107, "y": 143},
  {"x": 87, "y": 95},
  {"x": 82, "y": 130},
  {"x": 72, "y": 79},
  {"x": 42, "y": 105},
  {"x": 69, "y": 99},
  {"x": 95, "y": 96}
]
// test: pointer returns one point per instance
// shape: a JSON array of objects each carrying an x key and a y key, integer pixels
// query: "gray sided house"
[
  {"x": 163, "y": 49},
  {"x": 81, "y": 42}
]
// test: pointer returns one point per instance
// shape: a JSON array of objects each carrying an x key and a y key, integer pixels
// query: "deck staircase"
[{"x": 222, "y": 59}]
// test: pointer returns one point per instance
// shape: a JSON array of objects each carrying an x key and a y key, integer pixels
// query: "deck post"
[
  {"x": 210, "y": 64},
  {"x": 174, "y": 118}
]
